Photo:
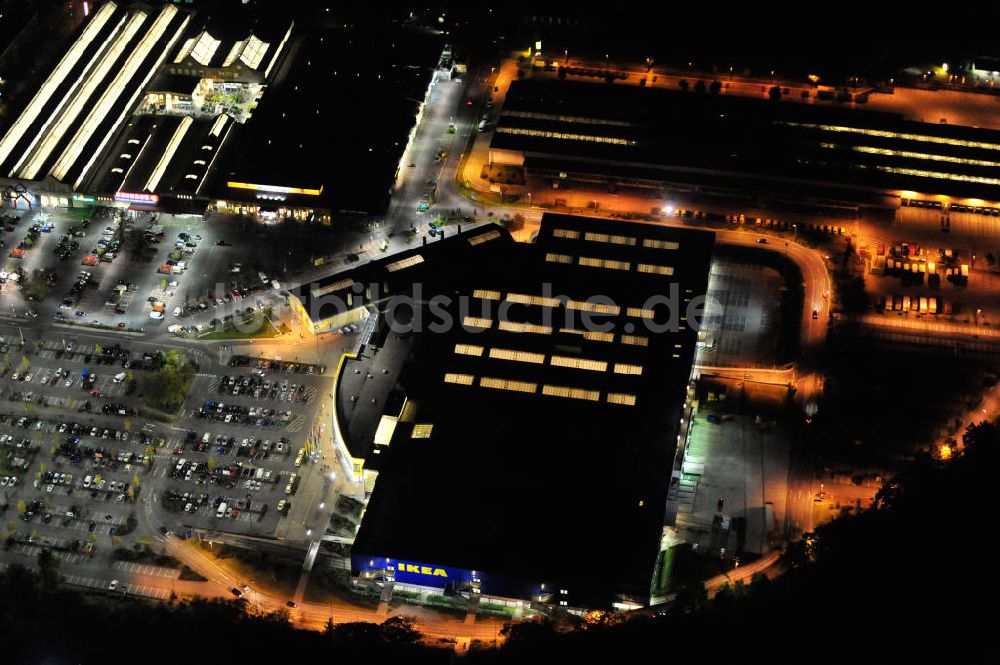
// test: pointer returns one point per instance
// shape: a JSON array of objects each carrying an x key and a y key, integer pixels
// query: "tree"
[
  {"x": 683, "y": 84},
  {"x": 22, "y": 507},
  {"x": 48, "y": 567},
  {"x": 400, "y": 630},
  {"x": 515, "y": 223},
  {"x": 715, "y": 87},
  {"x": 692, "y": 596},
  {"x": 168, "y": 386},
  {"x": 699, "y": 86}
]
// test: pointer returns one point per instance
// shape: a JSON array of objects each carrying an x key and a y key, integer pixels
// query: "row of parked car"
[
  {"x": 244, "y": 415},
  {"x": 258, "y": 387}
]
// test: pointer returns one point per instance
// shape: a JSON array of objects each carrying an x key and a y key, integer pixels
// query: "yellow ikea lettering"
[{"x": 423, "y": 570}]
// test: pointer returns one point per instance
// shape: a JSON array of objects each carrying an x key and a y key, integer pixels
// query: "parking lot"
[
  {"x": 81, "y": 470},
  {"x": 129, "y": 270}
]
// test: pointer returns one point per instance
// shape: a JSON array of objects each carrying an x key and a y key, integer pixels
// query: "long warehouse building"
[
  {"x": 84, "y": 101},
  {"x": 526, "y": 450}
]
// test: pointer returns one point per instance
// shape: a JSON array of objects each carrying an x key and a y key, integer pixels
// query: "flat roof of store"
[
  {"x": 579, "y": 124},
  {"x": 339, "y": 121},
  {"x": 550, "y": 444}
]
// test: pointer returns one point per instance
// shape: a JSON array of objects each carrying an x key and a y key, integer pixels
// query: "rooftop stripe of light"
[
  {"x": 882, "y": 133},
  {"x": 591, "y": 335},
  {"x": 81, "y": 96},
  {"x": 484, "y": 237},
  {"x": 652, "y": 243},
  {"x": 477, "y": 322},
  {"x": 402, "y": 264},
  {"x": 336, "y": 286},
  {"x": 572, "y": 393},
  {"x": 507, "y": 384},
  {"x": 525, "y": 299},
  {"x": 219, "y": 125},
  {"x": 517, "y": 356},
  {"x": 168, "y": 154},
  {"x": 515, "y": 327},
  {"x": 595, "y": 307},
  {"x": 610, "y": 239},
  {"x": 54, "y": 80},
  {"x": 621, "y": 398},
  {"x": 579, "y": 363},
  {"x": 205, "y": 48},
  {"x": 112, "y": 94},
  {"x": 607, "y": 264},
  {"x": 277, "y": 51},
  {"x": 234, "y": 53},
  {"x": 422, "y": 431},
  {"x": 253, "y": 52},
  {"x": 654, "y": 269},
  {"x": 468, "y": 350},
  {"x": 137, "y": 89}
]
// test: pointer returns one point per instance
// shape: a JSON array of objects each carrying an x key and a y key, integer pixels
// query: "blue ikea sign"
[{"x": 414, "y": 572}]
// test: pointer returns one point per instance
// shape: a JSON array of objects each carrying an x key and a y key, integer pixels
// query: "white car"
[
  {"x": 69, "y": 383},
  {"x": 155, "y": 315}
]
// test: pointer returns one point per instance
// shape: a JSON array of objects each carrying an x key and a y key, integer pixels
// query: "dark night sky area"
[{"x": 836, "y": 39}]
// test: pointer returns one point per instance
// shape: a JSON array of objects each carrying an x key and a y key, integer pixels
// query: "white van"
[
  {"x": 207, "y": 437},
  {"x": 222, "y": 510},
  {"x": 177, "y": 310},
  {"x": 120, "y": 377}
]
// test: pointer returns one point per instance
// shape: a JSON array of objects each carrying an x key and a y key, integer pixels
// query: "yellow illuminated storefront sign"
[
  {"x": 422, "y": 570},
  {"x": 275, "y": 189}
]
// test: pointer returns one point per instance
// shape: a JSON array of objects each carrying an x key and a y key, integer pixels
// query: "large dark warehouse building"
[
  {"x": 728, "y": 144},
  {"x": 531, "y": 458}
]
